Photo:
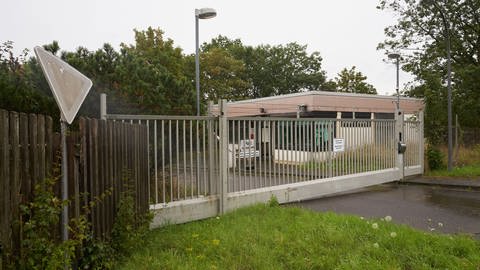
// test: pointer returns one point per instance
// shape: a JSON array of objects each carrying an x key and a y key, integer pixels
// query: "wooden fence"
[{"x": 103, "y": 157}]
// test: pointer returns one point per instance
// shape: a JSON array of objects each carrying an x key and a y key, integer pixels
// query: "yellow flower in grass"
[
  {"x": 215, "y": 242},
  {"x": 195, "y": 235},
  {"x": 189, "y": 249}
]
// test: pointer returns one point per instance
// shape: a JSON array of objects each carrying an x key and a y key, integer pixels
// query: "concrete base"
[
  {"x": 184, "y": 211},
  {"x": 201, "y": 208}
]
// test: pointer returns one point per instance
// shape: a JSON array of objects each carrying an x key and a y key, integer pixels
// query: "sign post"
[{"x": 69, "y": 87}]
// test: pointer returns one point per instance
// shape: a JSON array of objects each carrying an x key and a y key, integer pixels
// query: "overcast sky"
[{"x": 345, "y": 32}]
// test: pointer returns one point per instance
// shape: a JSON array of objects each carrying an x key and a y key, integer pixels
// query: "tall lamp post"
[
  {"x": 396, "y": 56},
  {"x": 446, "y": 33},
  {"x": 203, "y": 13}
]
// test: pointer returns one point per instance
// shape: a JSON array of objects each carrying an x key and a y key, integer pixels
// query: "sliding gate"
[{"x": 203, "y": 166}]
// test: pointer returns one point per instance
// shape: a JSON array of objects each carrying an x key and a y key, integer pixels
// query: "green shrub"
[
  {"x": 96, "y": 254},
  {"x": 130, "y": 227},
  {"x": 435, "y": 158},
  {"x": 41, "y": 247},
  {"x": 273, "y": 202}
]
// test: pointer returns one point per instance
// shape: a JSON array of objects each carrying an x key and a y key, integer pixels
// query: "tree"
[
  {"x": 17, "y": 91},
  {"x": 428, "y": 26},
  {"x": 152, "y": 74},
  {"x": 221, "y": 76},
  {"x": 353, "y": 81},
  {"x": 275, "y": 70}
]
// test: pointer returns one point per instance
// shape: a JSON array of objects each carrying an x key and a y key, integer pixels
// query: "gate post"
[
  {"x": 223, "y": 153},
  {"x": 103, "y": 106},
  {"x": 399, "y": 139},
  {"x": 211, "y": 151}
]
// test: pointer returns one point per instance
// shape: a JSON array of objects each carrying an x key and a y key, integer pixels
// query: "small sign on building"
[{"x": 339, "y": 145}]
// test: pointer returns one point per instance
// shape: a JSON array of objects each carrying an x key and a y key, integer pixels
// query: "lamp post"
[
  {"x": 396, "y": 56},
  {"x": 203, "y": 13},
  {"x": 446, "y": 33}
]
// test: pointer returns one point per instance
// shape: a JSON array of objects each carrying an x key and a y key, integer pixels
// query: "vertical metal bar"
[
  {"x": 295, "y": 141},
  {"x": 204, "y": 158},
  {"x": 239, "y": 126},
  {"x": 261, "y": 175},
  {"x": 235, "y": 185},
  {"x": 197, "y": 157},
  {"x": 289, "y": 153},
  {"x": 329, "y": 147},
  {"x": 163, "y": 161},
  {"x": 64, "y": 130},
  {"x": 251, "y": 184},
  {"x": 148, "y": 160},
  {"x": 177, "y": 165},
  {"x": 304, "y": 151},
  {"x": 421, "y": 146},
  {"x": 272, "y": 145},
  {"x": 255, "y": 181},
  {"x": 211, "y": 154},
  {"x": 184, "y": 158},
  {"x": 170, "y": 159},
  {"x": 244, "y": 160},
  {"x": 155, "y": 152},
  {"x": 353, "y": 123},
  {"x": 261, "y": 153},
  {"x": 281, "y": 157},
  {"x": 191, "y": 158}
]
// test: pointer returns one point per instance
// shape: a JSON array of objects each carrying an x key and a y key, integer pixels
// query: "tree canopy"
[
  {"x": 152, "y": 75},
  {"x": 422, "y": 33},
  {"x": 353, "y": 81}
]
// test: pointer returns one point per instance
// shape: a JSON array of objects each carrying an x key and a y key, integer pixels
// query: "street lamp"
[
  {"x": 203, "y": 13},
  {"x": 397, "y": 57},
  {"x": 446, "y": 33}
]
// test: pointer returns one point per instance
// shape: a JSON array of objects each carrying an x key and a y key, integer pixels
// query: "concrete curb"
[{"x": 444, "y": 181}]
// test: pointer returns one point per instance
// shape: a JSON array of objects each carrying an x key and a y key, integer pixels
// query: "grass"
[
  {"x": 465, "y": 171},
  {"x": 273, "y": 237},
  {"x": 467, "y": 163}
]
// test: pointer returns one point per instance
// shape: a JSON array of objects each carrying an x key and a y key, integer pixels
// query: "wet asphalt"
[{"x": 431, "y": 208}]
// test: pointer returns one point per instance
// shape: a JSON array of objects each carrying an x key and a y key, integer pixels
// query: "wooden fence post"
[{"x": 5, "y": 239}]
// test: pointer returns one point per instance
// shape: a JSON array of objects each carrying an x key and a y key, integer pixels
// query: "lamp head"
[
  {"x": 394, "y": 55},
  {"x": 205, "y": 13}
]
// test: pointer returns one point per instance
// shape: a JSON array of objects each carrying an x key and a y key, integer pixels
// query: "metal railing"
[
  {"x": 183, "y": 151},
  {"x": 414, "y": 140},
  {"x": 274, "y": 151}
]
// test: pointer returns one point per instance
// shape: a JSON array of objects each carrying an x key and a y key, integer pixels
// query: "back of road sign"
[{"x": 68, "y": 85}]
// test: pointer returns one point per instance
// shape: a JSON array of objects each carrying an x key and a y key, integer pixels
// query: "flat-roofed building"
[
  {"x": 322, "y": 104},
  {"x": 315, "y": 105}
]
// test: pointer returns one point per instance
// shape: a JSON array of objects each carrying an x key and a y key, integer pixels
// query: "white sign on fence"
[{"x": 338, "y": 145}]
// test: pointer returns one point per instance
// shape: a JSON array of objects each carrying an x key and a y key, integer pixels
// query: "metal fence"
[
  {"x": 275, "y": 151},
  {"x": 183, "y": 151},
  {"x": 413, "y": 133},
  {"x": 201, "y": 166}
]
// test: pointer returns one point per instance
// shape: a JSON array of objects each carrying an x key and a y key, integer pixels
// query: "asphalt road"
[{"x": 430, "y": 208}]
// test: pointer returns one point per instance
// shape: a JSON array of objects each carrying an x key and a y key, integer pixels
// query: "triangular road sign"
[{"x": 68, "y": 85}]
